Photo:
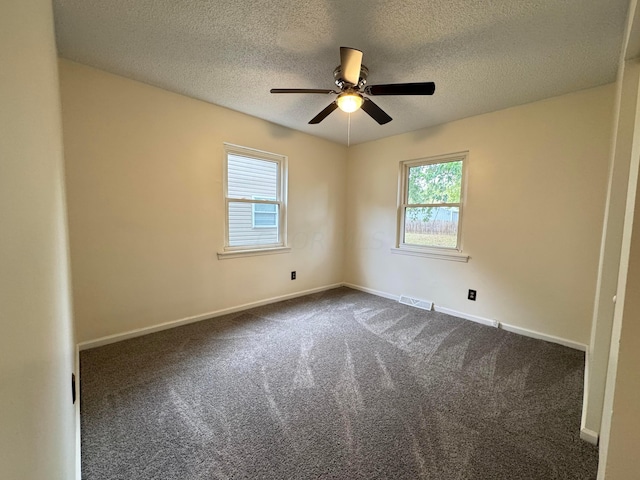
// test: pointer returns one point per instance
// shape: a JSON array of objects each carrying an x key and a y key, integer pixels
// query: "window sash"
[
  {"x": 437, "y": 225},
  {"x": 242, "y": 229}
]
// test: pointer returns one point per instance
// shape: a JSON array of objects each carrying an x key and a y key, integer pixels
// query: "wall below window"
[
  {"x": 532, "y": 223},
  {"x": 146, "y": 212}
]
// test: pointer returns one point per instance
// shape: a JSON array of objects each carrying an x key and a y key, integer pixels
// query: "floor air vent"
[{"x": 416, "y": 302}]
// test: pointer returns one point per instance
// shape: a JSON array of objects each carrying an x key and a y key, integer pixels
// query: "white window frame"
[
  {"x": 281, "y": 201},
  {"x": 444, "y": 253}
]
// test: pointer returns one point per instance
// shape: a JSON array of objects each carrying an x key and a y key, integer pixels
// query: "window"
[
  {"x": 431, "y": 197},
  {"x": 255, "y": 201}
]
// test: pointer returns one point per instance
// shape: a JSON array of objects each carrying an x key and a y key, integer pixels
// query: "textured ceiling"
[{"x": 483, "y": 55}]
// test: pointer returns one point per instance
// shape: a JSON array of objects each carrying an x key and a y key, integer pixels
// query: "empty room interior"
[{"x": 388, "y": 239}]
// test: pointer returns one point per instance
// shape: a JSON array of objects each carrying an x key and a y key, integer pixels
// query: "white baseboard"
[
  {"x": 474, "y": 318},
  {"x": 377, "y": 293},
  {"x": 485, "y": 321},
  {"x": 589, "y": 436},
  {"x": 99, "y": 342},
  {"x": 196, "y": 318},
  {"x": 543, "y": 336}
]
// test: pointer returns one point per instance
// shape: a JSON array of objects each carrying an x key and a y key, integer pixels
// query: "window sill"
[
  {"x": 254, "y": 252},
  {"x": 453, "y": 256}
]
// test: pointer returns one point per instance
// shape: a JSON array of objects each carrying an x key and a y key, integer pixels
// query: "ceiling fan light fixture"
[
  {"x": 350, "y": 77},
  {"x": 349, "y": 102}
]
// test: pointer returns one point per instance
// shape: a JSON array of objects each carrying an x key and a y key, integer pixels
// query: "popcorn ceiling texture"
[{"x": 483, "y": 55}]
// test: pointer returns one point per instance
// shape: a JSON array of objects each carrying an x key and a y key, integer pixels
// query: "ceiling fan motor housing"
[{"x": 344, "y": 85}]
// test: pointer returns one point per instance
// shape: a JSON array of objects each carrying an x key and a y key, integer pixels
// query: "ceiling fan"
[{"x": 351, "y": 77}]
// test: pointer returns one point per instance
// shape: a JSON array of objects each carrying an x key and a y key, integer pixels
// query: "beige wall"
[
  {"x": 146, "y": 216},
  {"x": 537, "y": 177},
  {"x": 37, "y": 426}
]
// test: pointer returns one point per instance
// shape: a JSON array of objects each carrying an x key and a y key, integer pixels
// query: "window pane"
[
  {"x": 261, "y": 219},
  {"x": 265, "y": 208},
  {"x": 435, "y": 183},
  {"x": 251, "y": 178},
  {"x": 431, "y": 227},
  {"x": 242, "y": 231},
  {"x": 265, "y": 214}
]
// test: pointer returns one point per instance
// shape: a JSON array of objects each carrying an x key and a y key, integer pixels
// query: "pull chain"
[{"x": 349, "y": 130}]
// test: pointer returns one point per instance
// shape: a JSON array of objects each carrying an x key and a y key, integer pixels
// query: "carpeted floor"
[{"x": 336, "y": 385}]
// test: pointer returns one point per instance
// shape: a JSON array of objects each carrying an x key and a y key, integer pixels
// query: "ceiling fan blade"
[
  {"x": 301, "y": 90},
  {"x": 375, "y": 112},
  {"x": 324, "y": 113},
  {"x": 421, "y": 88},
  {"x": 350, "y": 63}
]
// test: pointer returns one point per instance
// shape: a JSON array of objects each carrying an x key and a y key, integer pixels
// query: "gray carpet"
[{"x": 336, "y": 385}]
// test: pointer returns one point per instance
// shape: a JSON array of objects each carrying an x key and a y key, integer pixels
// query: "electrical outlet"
[
  {"x": 293, "y": 275},
  {"x": 472, "y": 295}
]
